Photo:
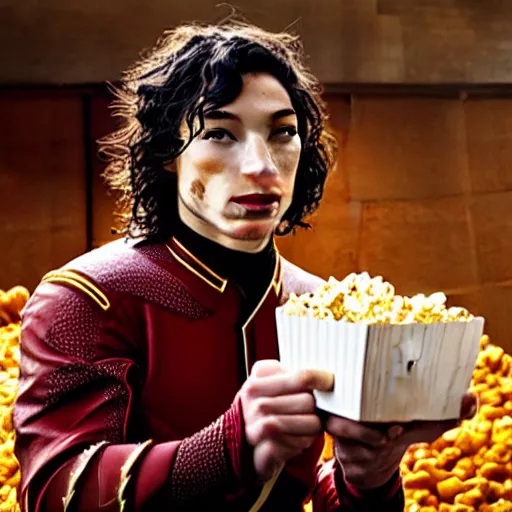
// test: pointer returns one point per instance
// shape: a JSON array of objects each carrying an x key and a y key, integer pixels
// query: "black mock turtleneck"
[{"x": 251, "y": 272}]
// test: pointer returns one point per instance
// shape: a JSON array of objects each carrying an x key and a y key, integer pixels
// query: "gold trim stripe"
[
  {"x": 265, "y": 492},
  {"x": 219, "y": 287},
  {"x": 221, "y": 283},
  {"x": 274, "y": 284},
  {"x": 125, "y": 472},
  {"x": 277, "y": 280},
  {"x": 74, "y": 279},
  {"x": 82, "y": 462},
  {"x": 197, "y": 260}
]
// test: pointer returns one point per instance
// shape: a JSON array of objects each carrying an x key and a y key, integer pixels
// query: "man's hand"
[
  {"x": 370, "y": 454},
  {"x": 279, "y": 413}
]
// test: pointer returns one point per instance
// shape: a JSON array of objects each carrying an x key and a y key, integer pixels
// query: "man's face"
[{"x": 236, "y": 178}]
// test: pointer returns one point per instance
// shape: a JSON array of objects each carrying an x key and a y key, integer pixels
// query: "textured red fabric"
[{"x": 200, "y": 465}]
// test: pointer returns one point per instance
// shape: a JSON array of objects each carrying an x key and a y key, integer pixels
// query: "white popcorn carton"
[{"x": 384, "y": 372}]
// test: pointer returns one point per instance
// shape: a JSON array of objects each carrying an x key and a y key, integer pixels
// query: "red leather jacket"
[{"x": 127, "y": 400}]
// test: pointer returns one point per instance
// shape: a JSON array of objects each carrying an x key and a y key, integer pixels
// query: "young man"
[{"x": 149, "y": 374}]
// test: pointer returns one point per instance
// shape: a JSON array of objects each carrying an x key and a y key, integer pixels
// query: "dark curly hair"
[{"x": 191, "y": 67}]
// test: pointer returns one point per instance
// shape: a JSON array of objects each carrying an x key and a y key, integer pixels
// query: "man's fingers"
[
  {"x": 268, "y": 460},
  {"x": 300, "y": 403},
  {"x": 267, "y": 368},
  {"x": 319, "y": 380},
  {"x": 298, "y": 443},
  {"x": 344, "y": 428},
  {"x": 304, "y": 379},
  {"x": 277, "y": 427},
  {"x": 278, "y": 384}
]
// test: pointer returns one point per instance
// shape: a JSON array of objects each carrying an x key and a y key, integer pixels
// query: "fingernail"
[{"x": 395, "y": 431}]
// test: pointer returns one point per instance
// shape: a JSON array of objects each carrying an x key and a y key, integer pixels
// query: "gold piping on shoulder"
[
  {"x": 125, "y": 472},
  {"x": 81, "y": 464},
  {"x": 76, "y": 280}
]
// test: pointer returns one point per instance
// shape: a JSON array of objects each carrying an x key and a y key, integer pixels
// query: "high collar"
[{"x": 193, "y": 263}]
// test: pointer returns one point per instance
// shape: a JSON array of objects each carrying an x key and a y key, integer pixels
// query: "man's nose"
[{"x": 257, "y": 159}]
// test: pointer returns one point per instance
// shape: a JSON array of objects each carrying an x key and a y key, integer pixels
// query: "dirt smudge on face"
[{"x": 197, "y": 189}]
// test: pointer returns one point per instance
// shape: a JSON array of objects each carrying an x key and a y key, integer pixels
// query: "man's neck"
[
  {"x": 205, "y": 230},
  {"x": 218, "y": 256}
]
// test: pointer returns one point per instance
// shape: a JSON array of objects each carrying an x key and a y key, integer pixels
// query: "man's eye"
[
  {"x": 285, "y": 132},
  {"x": 218, "y": 134}
]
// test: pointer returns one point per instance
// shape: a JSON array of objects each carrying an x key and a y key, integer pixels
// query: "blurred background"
[{"x": 420, "y": 95}]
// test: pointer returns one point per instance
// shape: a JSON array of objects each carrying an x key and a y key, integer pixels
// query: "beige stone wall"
[{"x": 348, "y": 41}]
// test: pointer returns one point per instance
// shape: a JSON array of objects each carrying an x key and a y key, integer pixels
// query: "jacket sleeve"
[{"x": 76, "y": 437}]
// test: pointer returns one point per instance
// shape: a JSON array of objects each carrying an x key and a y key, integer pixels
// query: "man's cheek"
[
  {"x": 197, "y": 189},
  {"x": 287, "y": 198},
  {"x": 207, "y": 165},
  {"x": 287, "y": 161}
]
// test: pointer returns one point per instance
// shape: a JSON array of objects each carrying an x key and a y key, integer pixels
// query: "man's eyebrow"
[
  {"x": 216, "y": 114},
  {"x": 283, "y": 113},
  {"x": 220, "y": 114}
]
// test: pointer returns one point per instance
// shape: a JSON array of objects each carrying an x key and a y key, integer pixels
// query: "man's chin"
[
  {"x": 247, "y": 238},
  {"x": 253, "y": 231}
]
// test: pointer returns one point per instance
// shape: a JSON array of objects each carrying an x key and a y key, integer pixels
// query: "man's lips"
[{"x": 257, "y": 202}]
